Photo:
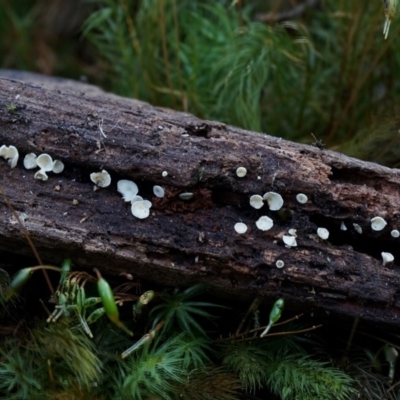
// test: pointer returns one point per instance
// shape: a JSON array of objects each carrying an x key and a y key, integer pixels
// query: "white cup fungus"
[
  {"x": 256, "y": 201},
  {"x": 241, "y": 172},
  {"x": 45, "y": 162},
  {"x": 136, "y": 198},
  {"x": 41, "y": 175},
  {"x": 378, "y": 223},
  {"x": 101, "y": 179},
  {"x": 395, "y": 233},
  {"x": 264, "y": 223},
  {"x": 186, "y": 196},
  {"x": 164, "y": 174},
  {"x": 240, "y": 227},
  {"x": 10, "y": 153},
  {"x": 141, "y": 209},
  {"x": 58, "y": 166},
  {"x": 302, "y": 198},
  {"x": 274, "y": 200},
  {"x": 279, "y": 264},
  {"x": 387, "y": 257},
  {"x": 290, "y": 241},
  {"x": 128, "y": 189},
  {"x": 357, "y": 228},
  {"x": 30, "y": 161},
  {"x": 343, "y": 226},
  {"x": 323, "y": 233},
  {"x": 158, "y": 191}
]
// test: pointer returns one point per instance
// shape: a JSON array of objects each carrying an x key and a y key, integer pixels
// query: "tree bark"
[{"x": 186, "y": 242}]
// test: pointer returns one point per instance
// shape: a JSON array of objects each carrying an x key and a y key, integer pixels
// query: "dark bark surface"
[{"x": 187, "y": 242}]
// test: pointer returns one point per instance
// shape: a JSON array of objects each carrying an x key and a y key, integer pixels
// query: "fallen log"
[{"x": 184, "y": 242}]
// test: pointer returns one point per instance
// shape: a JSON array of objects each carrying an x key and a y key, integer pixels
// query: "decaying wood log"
[{"x": 187, "y": 242}]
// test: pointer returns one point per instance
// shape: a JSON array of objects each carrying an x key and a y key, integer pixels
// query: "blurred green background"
[{"x": 287, "y": 68}]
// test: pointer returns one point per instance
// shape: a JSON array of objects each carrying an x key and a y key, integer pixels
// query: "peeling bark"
[{"x": 187, "y": 242}]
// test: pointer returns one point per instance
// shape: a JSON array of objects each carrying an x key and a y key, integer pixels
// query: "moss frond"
[
  {"x": 70, "y": 353},
  {"x": 177, "y": 309},
  {"x": 249, "y": 361},
  {"x": 20, "y": 372},
  {"x": 299, "y": 377},
  {"x": 153, "y": 369}
]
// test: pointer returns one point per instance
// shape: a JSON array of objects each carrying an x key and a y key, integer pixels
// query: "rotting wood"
[{"x": 187, "y": 242}]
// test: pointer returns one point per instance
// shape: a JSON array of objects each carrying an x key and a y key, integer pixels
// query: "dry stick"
[{"x": 28, "y": 238}]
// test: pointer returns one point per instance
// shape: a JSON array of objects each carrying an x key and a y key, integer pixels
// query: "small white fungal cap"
[
  {"x": 395, "y": 233},
  {"x": 186, "y": 196},
  {"x": 279, "y": 264},
  {"x": 128, "y": 189},
  {"x": 140, "y": 209},
  {"x": 264, "y": 223},
  {"x": 164, "y": 174},
  {"x": 387, "y": 257},
  {"x": 256, "y": 201},
  {"x": 302, "y": 198},
  {"x": 158, "y": 191},
  {"x": 101, "y": 179},
  {"x": 45, "y": 162},
  {"x": 41, "y": 175},
  {"x": 343, "y": 226},
  {"x": 275, "y": 201},
  {"x": 323, "y": 233},
  {"x": 357, "y": 228},
  {"x": 241, "y": 172},
  {"x": 378, "y": 223},
  {"x": 10, "y": 153},
  {"x": 136, "y": 198},
  {"x": 290, "y": 241},
  {"x": 58, "y": 166},
  {"x": 147, "y": 203},
  {"x": 30, "y": 161},
  {"x": 293, "y": 232},
  {"x": 240, "y": 227}
]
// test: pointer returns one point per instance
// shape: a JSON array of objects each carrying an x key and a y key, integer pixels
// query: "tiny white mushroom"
[
  {"x": 140, "y": 209},
  {"x": 58, "y": 166},
  {"x": 302, "y": 198},
  {"x": 164, "y": 174},
  {"x": 128, "y": 189},
  {"x": 30, "y": 161},
  {"x": 158, "y": 191},
  {"x": 45, "y": 162},
  {"x": 186, "y": 195},
  {"x": 290, "y": 241},
  {"x": 10, "y": 153},
  {"x": 395, "y": 233},
  {"x": 343, "y": 226},
  {"x": 293, "y": 232},
  {"x": 279, "y": 264},
  {"x": 147, "y": 203},
  {"x": 101, "y": 179},
  {"x": 240, "y": 227},
  {"x": 378, "y": 223},
  {"x": 136, "y": 198},
  {"x": 357, "y": 228},
  {"x": 264, "y": 223},
  {"x": 256, "y": 201},
  {"x": 323, "y": 233},
  {"x": 241, "y": 172},
  {"x": 274, "y": 200},
  {"x": 41, "y": 175},
  {"x": 387, "y": 257}
]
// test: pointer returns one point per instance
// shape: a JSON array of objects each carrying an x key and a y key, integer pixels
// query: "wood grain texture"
[{"x": 187, "y": 242}]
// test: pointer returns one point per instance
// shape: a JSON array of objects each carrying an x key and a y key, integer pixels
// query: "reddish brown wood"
[{"x": 183, "y": 243}]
